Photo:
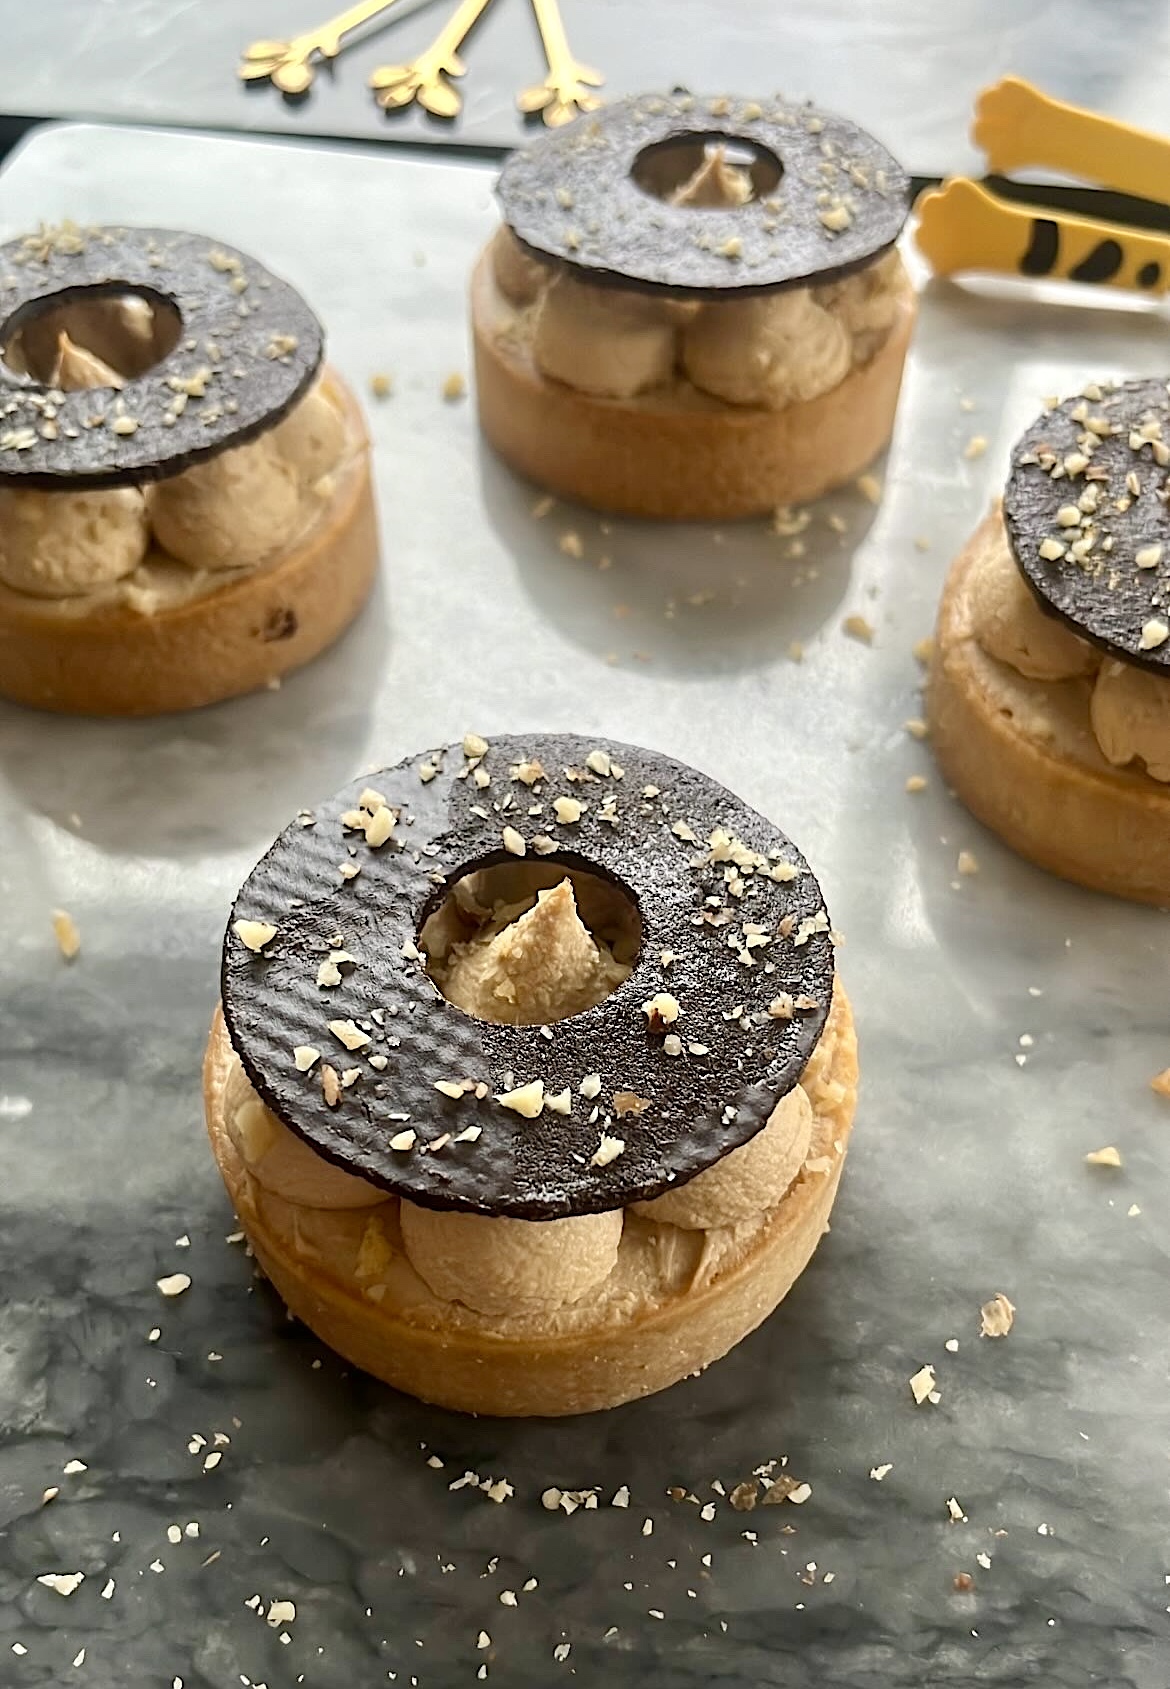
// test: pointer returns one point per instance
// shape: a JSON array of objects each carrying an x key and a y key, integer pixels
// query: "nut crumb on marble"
[
  {"x": 571, "y": 544},
  {"x": 916, "y": 783},
  {"x": 870, "y": 488},
  {"x": 975, "y": 447},
  {"x": 922, "y": 1385},
  {"x": 967, "y": 862},
  {"x": 1110, "y": 1156},
  {"x": 916, "y": 727},
  {"x": 859, "y": 628},
  {"x": 1161, "y": 1082},
  {"x": 996, "y": 1316},
  {"x": 66, "y": 933},
  {"x": 455, "y": 386}
]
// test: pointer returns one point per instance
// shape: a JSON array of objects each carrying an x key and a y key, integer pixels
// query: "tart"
[
  {"x": 660, "y": 331},
  {"x": 185, "y": 502},
  {"x": 532, "y": 1081},
  {"x": 1049, "y": 685}
]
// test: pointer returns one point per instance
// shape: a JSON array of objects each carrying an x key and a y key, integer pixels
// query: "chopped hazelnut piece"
[
  {"x": 349, "y": 1033},
  {"x": 402, "y": 1141},
  {"x": 254, "y": 935},
  {"x": 1148, "y": 557},
  {"x": 571, "y": 544},
  {"x": 836, "y": 217},
  {"x": 1051, "y": 550},
  {"x": 996, "y": 1316},
  {"x": 330, "y": 1085},
  {"x": 967, "y": 862},
  {"x": 67, "y": 936},
  {"x": 381, "y": 385},
  {"x": 527, "y": 1100},
  {"x": 349, "y": 870},
  {"x": 922, "y": 1385},
  {"x": 450, "y": 1088},
  {"x": 857, "y": 627},
  {"x": 379, "y": 827},
  {"x": 869, "y": 487},
  {"x": 568, "y": 810},
  {"x": 371, "y": 800},
  {"x": 1155, "y": 632},
  {"x": 455, "y": 386},
  {"x": 780, "y": 1008},
  {"x": 1161, "y": 1082},
  {"x": 529, "y": 772},
  {"x": 426, "y": 773},
  {"x": 590, "y": 1086},
  {"x": 174, "y": 1284},
  {"x": 629, "y": 1103},
  {"x": 474, "y": 745},
  {"x": 304, "y": 1055},
  {"x": 1110, "y": 1156},
  {"x": 599, "y": 762},
  {"x": 916, "y": 783},
  {"x": 975, "y": 447},
  {"x": 560, "y": 1102},
  {"x": 661, "y": 1011},
  {"x": 607, "y": 1150},
  {"x": 513, "y": 842}
]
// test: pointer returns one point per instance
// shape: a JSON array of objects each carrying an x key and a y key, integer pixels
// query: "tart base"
[
  {"x": 1022, "y": 756},
  {"x": 112, "y": 660},
  {"x": 465, "y": 1364},
  {"x": 660, "y": 456}
]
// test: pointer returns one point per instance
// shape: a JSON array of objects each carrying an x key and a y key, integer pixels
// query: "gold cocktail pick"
[
  {"x": 424, "y": 78},
  {"x": 287, "y": 62},
  {"x": 567, "y": 87}
]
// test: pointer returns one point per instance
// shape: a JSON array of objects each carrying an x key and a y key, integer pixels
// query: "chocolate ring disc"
[
  {"x": 736, "y": 1061},
  {"x": 572, "y": 197},
  {"x": 248, "y": 349},
  {"x": 1106, "y": 596}
]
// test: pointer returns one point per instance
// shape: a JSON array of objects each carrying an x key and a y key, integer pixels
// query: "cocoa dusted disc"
[
  {"x": 1101, "y": 458},
  {"x": 573, "y": 197},
  {"x": 737, "y": 1060},
  {"x": 248, "y": 348}
]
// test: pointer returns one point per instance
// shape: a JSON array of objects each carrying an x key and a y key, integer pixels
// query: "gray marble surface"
[
  {"x": 907, "y": 69},
  {"x": 967, "y": 1175}
]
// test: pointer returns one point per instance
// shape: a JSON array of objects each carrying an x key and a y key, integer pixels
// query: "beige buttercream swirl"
[
  {"x": 1010, "y": 625},
  {"x": 769, "y": 350},
  {"x": 608, "y": 341},
  {"x": 504, "y": 1266},
  {"x": 56, "y": 545},
  {"x": 283, "y": 1163},
  {"x": 754, "y": 1176},
  {"x": 1130, "y": 713},
  {"x": 541, "y": 965}
]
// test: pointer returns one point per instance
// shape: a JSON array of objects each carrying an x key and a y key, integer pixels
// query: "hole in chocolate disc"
[
  {"x": 707, "y": 172},
  {"x": 526, "y": 943},
  {"x": 88, "y": 337}
]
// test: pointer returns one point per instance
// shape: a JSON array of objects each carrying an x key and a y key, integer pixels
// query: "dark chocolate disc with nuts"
[
  {"x": 384, "y": 1077},
  {"x": 238, "y": 349},
  {"x": 827, "y": 198},
  {"x": 1085, "y": 512}
]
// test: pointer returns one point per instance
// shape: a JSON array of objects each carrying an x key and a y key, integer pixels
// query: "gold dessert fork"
[
  {"x": 424, "y": 78},
  {"x": 568, "y": 84},
  {"x": 287, "y": 62}
]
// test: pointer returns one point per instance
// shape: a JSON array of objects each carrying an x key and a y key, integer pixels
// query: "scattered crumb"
[
  {"x": 796, "y": 651},
  {"x": 877, "y": 1473},
  {"x": 571, "y": 543},
  {"x": 916, "y": 727},
  {"x": 869, "y": 487},
  {"x": 66, "y": 933},
  {"x": 976, "y": 446},
  {"x": 1110, "y": 1156},
  {"x": 607, "y": 1150},
  {"x": 174, "y": 1284},
  {"x": 967, "y": 862},
  {"x": 542, "y": 507},
  {"x": 61, "y": 1583},
  {"x": 922, "y": 1385},
  {"x": 921, "y": 542},
  {"x": 455, "y": 386},
  {"x": 254, "y": 935},
  {"x": 1161, "y": 1082},
  {"x": 962, "y": 1583},
  {"x": 381, "y": 385},
  {"x": 996, "y": 1316},
  {"x": 857, "y": 627},
  {"x": 916, "y": 783},
  {"x": 922, "y": 650}
]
